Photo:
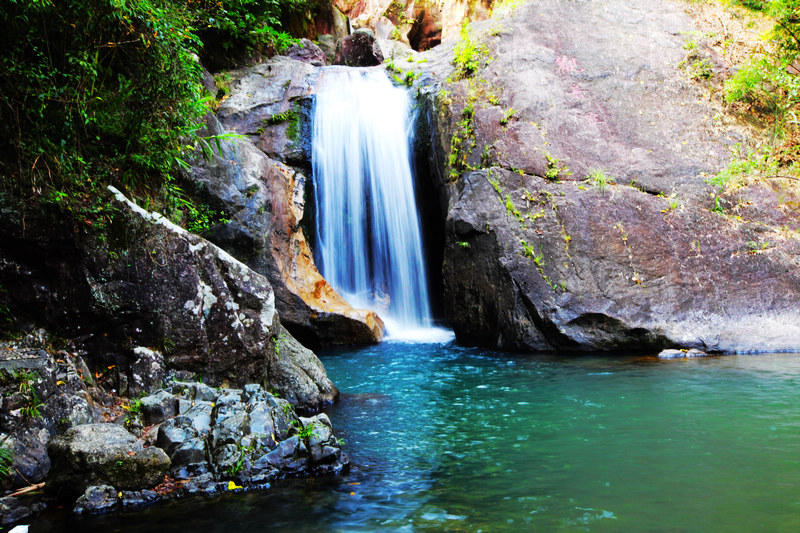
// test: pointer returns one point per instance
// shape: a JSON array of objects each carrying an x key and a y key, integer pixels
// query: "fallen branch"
[{"x": 29, "y": 488}]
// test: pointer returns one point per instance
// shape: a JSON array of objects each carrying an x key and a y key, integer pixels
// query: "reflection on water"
[{"x": 458, "y": 439}]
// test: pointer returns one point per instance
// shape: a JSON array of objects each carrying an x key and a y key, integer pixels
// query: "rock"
[
  {"x": 394, "y": 50},
  {"x": 150, "y": 283},
  {"x": 308, "y": 52},
  {"x": 327, "y": 43},
  {"x": 303, "y": 381},
  {"x": 134, "y": 500},
  {"x": 158, "y": 407},
  {"x": 359, "y": 49},
  {"x": 263, "y": 199},
  {"x": 173, "y": 433},
  {"x": 97, "y": 500},
  {"x": 95, "y": 454},
  {"x": 147, "y": 371},
  {"x": 681, "y": 354},
  {"x": 12, "y": 511},
  {"x": 540, "y": 257}
]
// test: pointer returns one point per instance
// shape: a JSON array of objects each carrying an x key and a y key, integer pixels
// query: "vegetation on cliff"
[
  {"x": 98, "y": 92},
  {"x": 761, "y": 41}
]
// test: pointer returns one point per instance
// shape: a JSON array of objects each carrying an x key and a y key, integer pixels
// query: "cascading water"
[{"x": 369, "y": 245}]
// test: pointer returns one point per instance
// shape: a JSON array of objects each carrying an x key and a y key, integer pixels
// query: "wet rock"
[
  {"x": 158, "y": 407},
  {"x": 94, "y": 454},
  {"x": 134, "y": 500},
  {"x": 306, "y": 51},
  {"x": 681, "y": 354},
  {"x": 97, "y": 500},
  {"x": 264, "y": 201},
  {"x": 359, "y": 49},
  {"x": 12, "y": 510}
]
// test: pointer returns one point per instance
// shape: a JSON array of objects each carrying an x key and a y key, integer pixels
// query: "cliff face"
[{"x": 571, "y": 159}]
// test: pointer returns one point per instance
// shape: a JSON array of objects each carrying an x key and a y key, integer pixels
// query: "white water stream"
[{"x": 368, "y": 245}]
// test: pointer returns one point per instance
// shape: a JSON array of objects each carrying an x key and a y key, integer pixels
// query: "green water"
[{"x": 445, "y": 438}]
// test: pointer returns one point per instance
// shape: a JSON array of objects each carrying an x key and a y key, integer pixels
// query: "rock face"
[
  {"x": 153, "y": 284},
  {"x": 261, "y": 186},
  {"x": 360, "y": 49},
  {"x": 578, "y": 216},
  {"x": 95, "y": 454}
]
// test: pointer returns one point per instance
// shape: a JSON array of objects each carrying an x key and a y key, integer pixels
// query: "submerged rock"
[{"x": 681, "y": 354}]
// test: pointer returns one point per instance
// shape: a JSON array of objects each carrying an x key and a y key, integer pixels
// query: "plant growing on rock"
[
  {"x": 599, "y": 179},
  {"x": 6, "y": 459},
  {"x": 468, "y": 54}
]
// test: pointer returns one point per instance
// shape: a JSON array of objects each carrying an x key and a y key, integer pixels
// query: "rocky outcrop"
[
  {"x": 150, "y": 284},
  {"x": 422, "y": 24},
  {"x": 95, "y": 454},
  {"x": 359, "y": 49},
  {"x": 578, "y": 215},
  {"x": 260, "y": 183},
  {"x": 43, "y": 393}
]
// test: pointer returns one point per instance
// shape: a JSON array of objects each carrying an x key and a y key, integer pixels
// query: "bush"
[
  {"x": 94, "y": 92},
  {"x": 99, "y": 92}
]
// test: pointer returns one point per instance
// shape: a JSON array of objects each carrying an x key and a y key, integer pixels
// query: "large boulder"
[
  {"x": 148, "y": 283},
  {"x": 578, "y": 215},
  {"x": 359, "y": 49},
  {"x": 102, "y": 454}
]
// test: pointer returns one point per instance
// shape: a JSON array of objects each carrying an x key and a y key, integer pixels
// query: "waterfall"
[{"x": 368, "y": 241}]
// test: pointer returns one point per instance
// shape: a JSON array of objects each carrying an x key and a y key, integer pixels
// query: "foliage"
[
  {"x": 768, "y": 86},
  {"x": 31, "y": 401},
  {"x": 468, "y": 54},
  {"x": 599, "y": 179},
  {"x": 6, "y": 459},
  {"x": 555, "y": 169},
  {"x": 99, "y": 92}
]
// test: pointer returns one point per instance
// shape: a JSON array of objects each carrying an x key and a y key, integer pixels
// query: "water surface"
[{"x": 445, "y": 438}]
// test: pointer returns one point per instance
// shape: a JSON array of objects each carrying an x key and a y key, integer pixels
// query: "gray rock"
[
  {"x": 95, "y": 454},
  {"x": 147, "y": 371},
  {"x": 173, "y": 433},
  {"x": 97, "y": 500},
  {"x": 327, "y": 43},
  {"x": 12, "y": 511},
  {"x": 158, "y": 407},
  {"x": 200, "y": 416},
  {"x": 191, "y": 451},
  {"x": 307, "y": 52}
]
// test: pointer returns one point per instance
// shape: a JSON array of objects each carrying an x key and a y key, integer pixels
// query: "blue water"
[{"x": 445, "y": 438}]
